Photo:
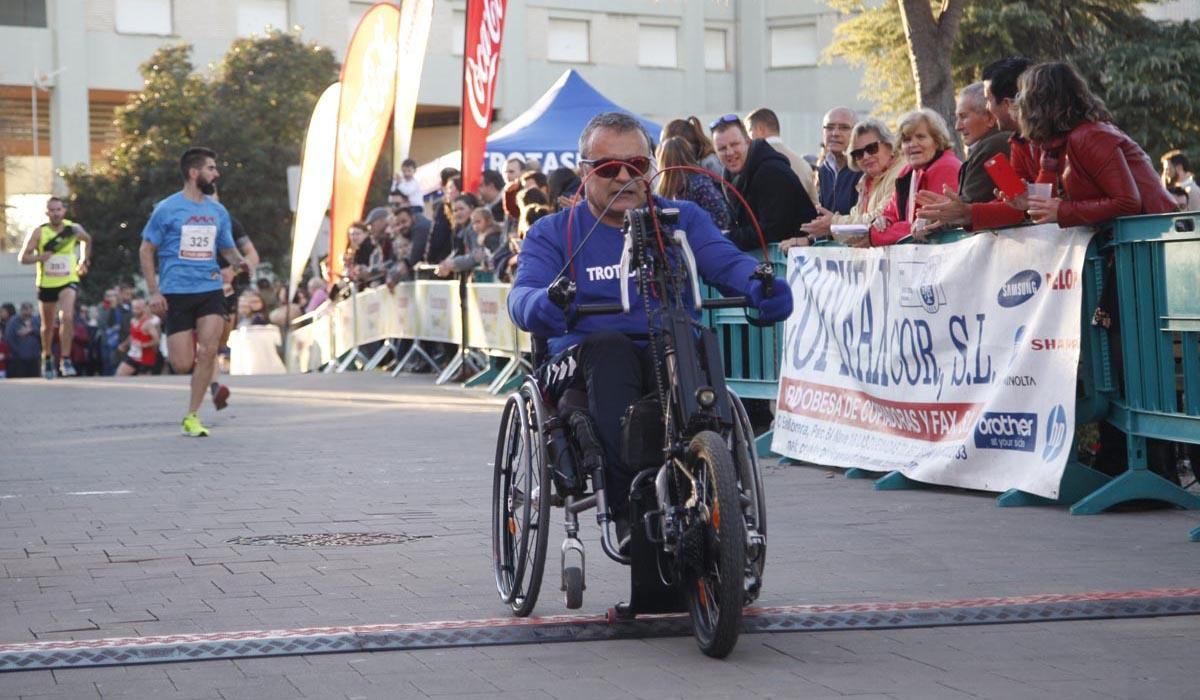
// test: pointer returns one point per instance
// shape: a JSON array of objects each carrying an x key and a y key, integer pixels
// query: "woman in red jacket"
[
  {"x": 1099, "y": 172},
  {"x": 932, "y": 165}
]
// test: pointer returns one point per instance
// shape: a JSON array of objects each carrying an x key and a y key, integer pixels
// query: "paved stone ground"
[{"x": 111, "y": 524}]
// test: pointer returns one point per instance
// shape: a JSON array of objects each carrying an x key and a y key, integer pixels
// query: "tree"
[
  {"x": 1143, "y": 69},
  {"x": 253, "y": 111},
  {"x": 930, "y": 41}
]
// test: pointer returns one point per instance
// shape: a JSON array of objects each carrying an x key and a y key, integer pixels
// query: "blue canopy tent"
[{"x": 548, "y": 130}]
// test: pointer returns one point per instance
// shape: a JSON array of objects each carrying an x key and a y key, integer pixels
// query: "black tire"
[
  {"x": 573, "y": 583},
  {"x": 750, "y": 481},
  {"x": 716, "y": 596},
  {"x": 520, "y": 505},
  {"x": 504, "y": 559}
]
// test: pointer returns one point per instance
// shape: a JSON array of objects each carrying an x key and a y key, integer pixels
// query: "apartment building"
[{"x": 66, "y": 65}]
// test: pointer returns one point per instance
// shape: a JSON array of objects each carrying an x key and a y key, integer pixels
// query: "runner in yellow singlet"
[{"x": 62, "y": 251}]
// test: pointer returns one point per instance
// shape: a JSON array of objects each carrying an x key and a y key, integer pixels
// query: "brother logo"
[
  {"x": 1057, "y": 435},
  {"x": 1007, "y": 431},
  {"x": 1019, "y": 288}
]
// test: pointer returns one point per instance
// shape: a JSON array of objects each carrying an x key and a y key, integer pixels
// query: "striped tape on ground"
[{"x": 575, "y": 628}]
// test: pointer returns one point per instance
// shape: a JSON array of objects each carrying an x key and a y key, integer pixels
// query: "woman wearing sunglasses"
[{"x": 872, "y": 153}]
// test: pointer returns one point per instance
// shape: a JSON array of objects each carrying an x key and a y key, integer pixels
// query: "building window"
[
  {"x": 656, "y": 46},
  {"x": 458, "y": 32},
  {"x": 354, "y": 15},
  {"x": 794, "y": 45},
  {"x": 567, "y": 41},
  {"x": 143, "y": 17},
  {"x": 716, "y": 50},
  {"x": 256, "y": 16},
  {"x": 23, "y": 13}
]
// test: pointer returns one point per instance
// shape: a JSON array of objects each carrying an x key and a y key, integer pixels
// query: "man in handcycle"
[{"x": 606, "y": 357}]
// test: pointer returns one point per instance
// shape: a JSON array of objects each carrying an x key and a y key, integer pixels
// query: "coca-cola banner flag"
[
  {"x": 952, "y": 364},
  {"x": 481, "y": 59},
  {"x": 415, "y": 17},
  {"x": 364, "y": 113}
]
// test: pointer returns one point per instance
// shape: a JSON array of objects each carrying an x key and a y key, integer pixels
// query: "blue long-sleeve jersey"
[{"x": 596, "y": 269}]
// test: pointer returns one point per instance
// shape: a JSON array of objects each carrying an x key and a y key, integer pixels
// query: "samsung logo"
[{"x": 1019, "y": 288}]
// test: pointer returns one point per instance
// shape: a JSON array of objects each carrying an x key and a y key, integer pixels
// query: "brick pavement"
[{"x": 124, "y": 530}]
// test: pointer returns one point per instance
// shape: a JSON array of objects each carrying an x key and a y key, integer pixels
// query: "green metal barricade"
[
  {"x": 752, "y": 355},
  {"x": 1157, "y": 265}
]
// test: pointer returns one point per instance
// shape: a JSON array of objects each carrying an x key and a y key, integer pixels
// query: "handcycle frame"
[{"x": 693, "y": 400}]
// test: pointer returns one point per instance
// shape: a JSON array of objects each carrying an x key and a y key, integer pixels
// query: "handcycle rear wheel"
[
  {"x": 716, "y": 594},
  {"x": 520, "y": 505}
]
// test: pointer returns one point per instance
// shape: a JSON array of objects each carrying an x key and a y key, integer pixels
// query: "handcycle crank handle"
[
  {"x": 727, "y": 303},
  {"x": 598, "y": 309}
]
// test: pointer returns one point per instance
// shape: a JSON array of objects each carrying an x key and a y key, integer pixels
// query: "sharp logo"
[
  {"x": 1019, "y": 288},
  {"x": 1007, "y": 431},
  {"x": 1040, "y": 344},
  {"x": 1056, "y": 433}
]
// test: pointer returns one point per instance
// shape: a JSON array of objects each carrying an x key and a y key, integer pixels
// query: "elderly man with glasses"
[
  {"x": 834, "y": 177},
  {"x": 601, "y": 363}
]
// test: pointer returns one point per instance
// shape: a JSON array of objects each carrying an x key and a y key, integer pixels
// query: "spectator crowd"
[{"x": 894, "y": 182}]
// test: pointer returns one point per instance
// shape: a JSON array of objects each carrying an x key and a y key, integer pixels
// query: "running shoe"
[
  {"x": 66, "y": 369},
  {"x": 192, "y": 426},
  {"x": 48, "y": 368},
  {"x": 220, "y": 395}
]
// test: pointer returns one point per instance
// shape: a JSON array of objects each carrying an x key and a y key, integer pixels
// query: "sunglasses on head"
[
  {"x": 868, "y": 150},
  {"x": 611, "y": 167},
  {"x": 727, "y": 119}
]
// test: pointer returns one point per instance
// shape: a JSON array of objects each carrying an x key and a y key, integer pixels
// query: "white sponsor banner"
[
  {"x": 953, "y": 364},
  {"x": 488, "y": 324},
  {"x": 439, "y": 311},
  {"x": 342, "y": 319},
  {"x": 402, "y": 318},
  {"x": 372, "y": 317}
]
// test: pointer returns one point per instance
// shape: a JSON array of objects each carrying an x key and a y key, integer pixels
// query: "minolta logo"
[
  {"x": 1057, "y": 435},
  {"x": 1019, "y": 288},
  {"x": 1007, "y": 431},
  {"x": 1020, "y": 380}
]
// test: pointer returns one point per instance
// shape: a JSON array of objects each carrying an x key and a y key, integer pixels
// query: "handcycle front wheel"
[
  {"x": 715, "y": 588},
  {"x": 753, "y": 496},
  {"x": 520, "y": 505}
]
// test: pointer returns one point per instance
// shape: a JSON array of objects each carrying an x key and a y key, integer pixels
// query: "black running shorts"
[
  {"x": 50, "y": 294},
  {"x": 184, "y": 309}
]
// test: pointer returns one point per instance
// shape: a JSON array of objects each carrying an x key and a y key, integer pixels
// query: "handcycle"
[{"x": 698, "y": 532}]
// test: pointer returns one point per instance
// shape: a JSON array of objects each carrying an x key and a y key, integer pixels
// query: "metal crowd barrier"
[{"x": 1154, "y": 393}]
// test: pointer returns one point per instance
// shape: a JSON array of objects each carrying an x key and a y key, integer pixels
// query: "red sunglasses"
[{"x": 611, "y": 167}]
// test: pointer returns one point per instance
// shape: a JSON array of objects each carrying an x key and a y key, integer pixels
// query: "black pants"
[{"x": 615, "y": 373}]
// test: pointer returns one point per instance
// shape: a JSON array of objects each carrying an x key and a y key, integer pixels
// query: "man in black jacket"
[{"x": 765, "y": 178}]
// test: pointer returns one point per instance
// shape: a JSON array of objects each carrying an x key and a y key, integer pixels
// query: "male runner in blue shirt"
[{"x": 185, "y": 233}]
